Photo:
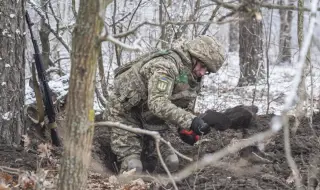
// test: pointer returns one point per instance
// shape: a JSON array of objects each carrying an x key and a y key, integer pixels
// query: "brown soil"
[
  {"x": 240, "y": 171},
  {"x": 234, "y": 172}
]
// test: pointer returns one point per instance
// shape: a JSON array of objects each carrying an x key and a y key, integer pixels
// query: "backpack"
[{"x": 144, "y": 59}]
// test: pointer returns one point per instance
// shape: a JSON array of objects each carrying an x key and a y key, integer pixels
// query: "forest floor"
[{"x": 33, "y": 164}]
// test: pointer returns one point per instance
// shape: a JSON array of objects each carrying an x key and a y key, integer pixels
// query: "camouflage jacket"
[{"x": 162, "y": 85}]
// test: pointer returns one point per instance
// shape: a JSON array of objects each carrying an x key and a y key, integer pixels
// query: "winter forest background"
[
  {"x": 263, "y": 39},
  {"x": 129, "y": 15}
]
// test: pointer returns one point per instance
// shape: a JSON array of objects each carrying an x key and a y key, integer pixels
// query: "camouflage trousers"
[{"x": 127, "y": 144}]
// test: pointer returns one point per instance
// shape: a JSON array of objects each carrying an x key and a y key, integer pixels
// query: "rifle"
[{"x": 45, "y": 89}]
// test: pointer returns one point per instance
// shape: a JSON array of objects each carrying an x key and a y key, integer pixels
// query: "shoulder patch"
[{"x": 162, "y": 84}]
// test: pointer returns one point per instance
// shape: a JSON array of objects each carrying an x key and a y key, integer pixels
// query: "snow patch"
[{"x": 7, "y": 116}]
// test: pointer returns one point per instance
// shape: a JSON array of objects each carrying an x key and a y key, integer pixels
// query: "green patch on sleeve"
[{"x": 182, "y": 78}]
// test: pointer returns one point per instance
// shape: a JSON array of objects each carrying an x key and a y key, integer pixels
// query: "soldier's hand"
[
  {"x": 199, "y": 126},
  {"x": 188, "y": 136}
]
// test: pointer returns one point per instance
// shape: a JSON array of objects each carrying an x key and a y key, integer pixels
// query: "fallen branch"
[
  {"x": 164, "y": 164},
  {"x": 153, "y": 134},
  {"x": 210, "y": 159},
  {"x": 12, "y": 171},
  {"x": 207, "y": 160}
]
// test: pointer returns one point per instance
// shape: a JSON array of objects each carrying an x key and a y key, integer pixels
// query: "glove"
[
  {"x": 188, "y": 136},
  {"x": 199, "y": 126}
]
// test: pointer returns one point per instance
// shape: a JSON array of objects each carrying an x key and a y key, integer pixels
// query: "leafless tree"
[
  {"x": 233, "y": 36},
  {"x": 250, "y": 52},
  {"x": 80, "y": 114},
  {"x": 12, "y": 75},
  {"x": 300, "y": 109},
  {"x": 285, "y": 34}
]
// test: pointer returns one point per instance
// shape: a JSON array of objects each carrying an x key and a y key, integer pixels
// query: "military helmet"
[{"x": 207, "y": 50}]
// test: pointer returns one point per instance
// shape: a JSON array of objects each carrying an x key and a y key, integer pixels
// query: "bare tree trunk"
[
  {"x": 44, "y": 37},
  {"x": 12, "y": 76},
  {"x": 302, "y": 91},
  {"x": 233, "y": 36},
  {"x": 80, "y": 114},
  {"x": 104, "y": 85},
  {"x": 117, "y": 48},
  {"x": 163, "y": 34},
  {"x": 250, "y": 52},
  {"x": 285, "y": 34}
]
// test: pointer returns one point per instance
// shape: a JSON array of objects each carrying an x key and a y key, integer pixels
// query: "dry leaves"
[
  {"x": 44, "y": 150},
  {"x": 137, "y": 184}
]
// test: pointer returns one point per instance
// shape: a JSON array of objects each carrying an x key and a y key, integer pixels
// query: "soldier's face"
[{"x": 200, "y": 69}]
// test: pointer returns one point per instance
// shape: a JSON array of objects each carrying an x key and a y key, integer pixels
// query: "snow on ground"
[{"x": 220, "y": 89}]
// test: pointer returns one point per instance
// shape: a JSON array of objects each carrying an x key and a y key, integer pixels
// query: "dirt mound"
[
  {"x": 240, "y": 171},
  {"x": 236, "y": 172},
  {"x": 232, "y": 172}
]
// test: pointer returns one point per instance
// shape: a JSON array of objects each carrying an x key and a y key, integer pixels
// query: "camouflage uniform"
[{"x": 159, "y": 89}]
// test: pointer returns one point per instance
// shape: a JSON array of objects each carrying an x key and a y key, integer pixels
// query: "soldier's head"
[{"x": 207, "y": 55}]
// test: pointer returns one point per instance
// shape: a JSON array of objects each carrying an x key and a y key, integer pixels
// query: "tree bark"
[
  {"x": 250, "y": 52},
  {"x": 285, "y": 35},
  {"x": 80, "y": 114},
  {"x": 44, "y": 37},
  {"x": 12, "y": 75},
  {"x": 117, "y": 48},
  {"x": 300, "y": 110},
  {"x": 104, "y": 85},
  {"x": 233, "y": 36}
]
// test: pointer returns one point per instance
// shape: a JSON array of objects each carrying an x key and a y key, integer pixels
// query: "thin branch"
[
  {"x": 134, "y": 12},
  {"x": 153, "y": 134},
  {"x": 287, "y": 148},
  {"x": 268, "y": 39},
  {"x": 210, "y": 159},
  {"x": 40, "y": 13},
  {"x": 261, "y": 4},
  {"x": 287, "y": 7},
  {"x": 60, "y": 59},
  {"x": 291, "y": 99},
  {"x": 164, "y": 164},
  {"x": 54, "y": 70},
  {"x": 167, "y": 12},
  {"x": 54, "y": 16},
  {"x": 12, "y": 171},
  {"x": 133, "y": 30},
  {"x": 214, "y": 13},
  {"x": 134, "y": 47}
]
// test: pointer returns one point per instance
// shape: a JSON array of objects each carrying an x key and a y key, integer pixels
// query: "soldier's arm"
[{"x": 160, "y": 86}]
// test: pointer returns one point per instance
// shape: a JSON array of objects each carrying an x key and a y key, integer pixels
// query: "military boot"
[
  {"x": 172, "y": 162},
  {"x": 131, "y": 162}
]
